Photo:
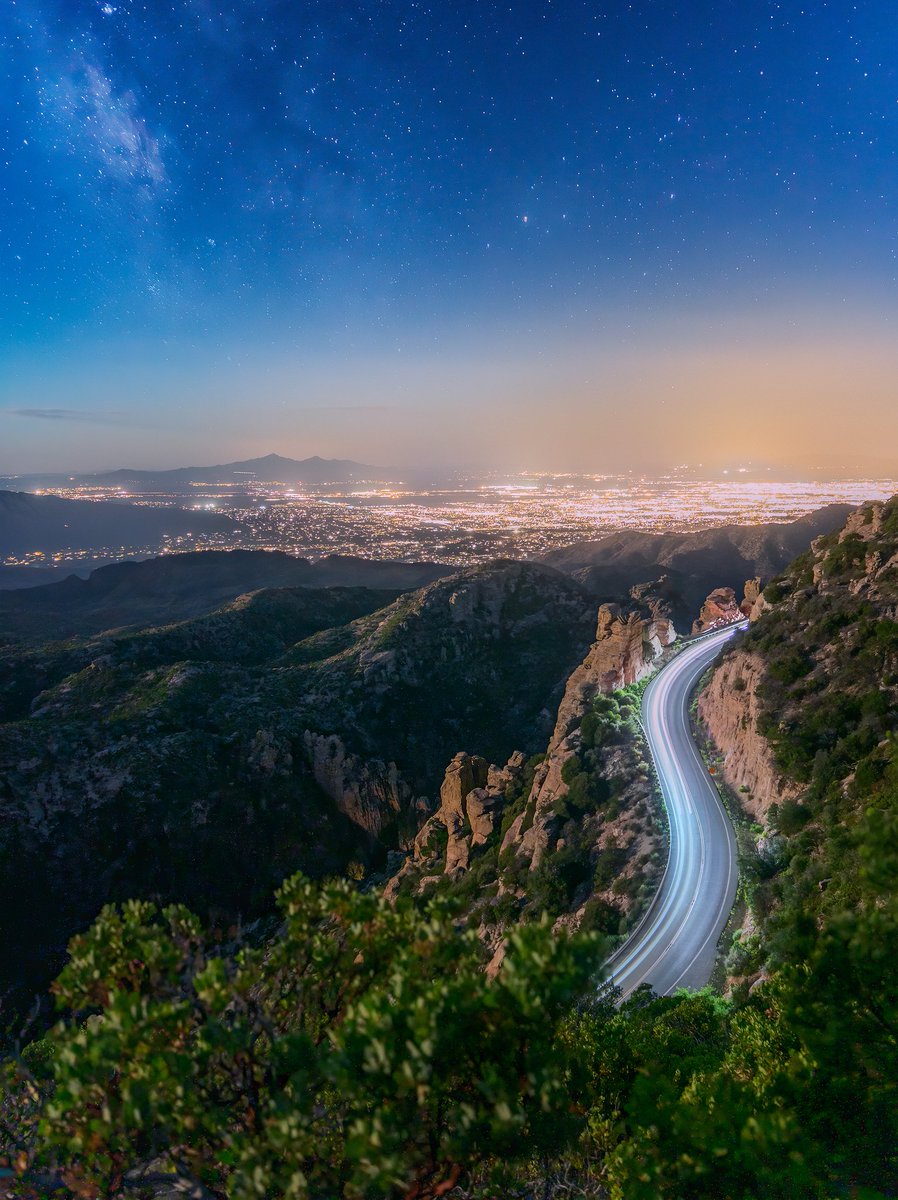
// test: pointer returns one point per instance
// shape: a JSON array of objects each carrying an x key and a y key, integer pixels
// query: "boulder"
[{"x": 720, "y": 608}]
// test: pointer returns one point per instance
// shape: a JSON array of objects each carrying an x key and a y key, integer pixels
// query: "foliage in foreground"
[{"x": 362, "y": 1053}]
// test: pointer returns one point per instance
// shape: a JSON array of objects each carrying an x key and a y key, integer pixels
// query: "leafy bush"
[{"x": 361, "y": 1052}]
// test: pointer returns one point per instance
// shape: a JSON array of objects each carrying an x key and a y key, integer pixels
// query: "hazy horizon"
[{"x": 537, "y": 237}]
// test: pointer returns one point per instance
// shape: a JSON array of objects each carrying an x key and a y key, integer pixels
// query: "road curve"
[{"x": 674, "y": 945}]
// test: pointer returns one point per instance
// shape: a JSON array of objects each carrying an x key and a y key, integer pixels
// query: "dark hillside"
[
  {"x": 176, "y": 586},
  {"x": 185, "y": 762},
  {"x": 687, "y": 566}
]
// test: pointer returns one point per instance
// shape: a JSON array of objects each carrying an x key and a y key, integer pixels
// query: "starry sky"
[{"x": 546, "y": 233}]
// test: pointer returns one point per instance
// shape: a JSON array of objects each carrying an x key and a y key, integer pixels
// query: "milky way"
[{"x": 378, "y": 176}]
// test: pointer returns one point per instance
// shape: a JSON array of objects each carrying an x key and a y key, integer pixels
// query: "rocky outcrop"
[
  {"x": 760, "y": 606},
  {"x": 270, "y": 755},
  {"x": 728, "y": 708},
  {"x": 751, "y": 595},
  {"x": 627, "y": 643},
  {"x": 626, "y": 646},
  {"x": 722, "y": 608},
  {"x": 464, "y": 775},
  {"x": 719, "y": 608},
  {"x": 472, "y": 796},
  {"x": 864, "y": 523},
  {"x": 372, "y": 794}
]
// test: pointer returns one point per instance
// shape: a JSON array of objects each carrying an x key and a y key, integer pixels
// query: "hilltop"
[{"x": 177, "y": 586}]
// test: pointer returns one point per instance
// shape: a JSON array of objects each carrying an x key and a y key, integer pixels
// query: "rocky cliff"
[
  {"x": 572, "y": 832},
  {"x": 626, "y": 647},
  {"x": 810, "y": 663},
  {"x": 371, "y": 793},
  {"x": 729, "y": 708},
  {"x": 721, "y": 607}
]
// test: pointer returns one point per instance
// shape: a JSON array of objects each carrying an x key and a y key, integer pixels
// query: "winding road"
[{"x": 674, "y": 946}]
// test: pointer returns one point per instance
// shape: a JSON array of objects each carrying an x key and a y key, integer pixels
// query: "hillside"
[
  {"x": 685, "y": 567},
  {"x": 177, "y": 586},
  {"x": 203, "y": 760},
  {"x": 572, "y": 834},
  {"x": 804, "y": 714},
  {"x": 49, "y": 524}
]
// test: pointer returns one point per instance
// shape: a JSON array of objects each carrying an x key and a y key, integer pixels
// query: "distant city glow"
[{"x": 475, "y": 521}]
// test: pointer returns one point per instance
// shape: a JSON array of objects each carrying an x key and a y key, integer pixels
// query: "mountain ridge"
[
  {"x": 177, "y": 586},
  {"x": 268, "y": 468},
  {"x": 685, "y": 567}
]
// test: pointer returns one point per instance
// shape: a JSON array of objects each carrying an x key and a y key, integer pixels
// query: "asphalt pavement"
[{"x": 674, "y": 946}]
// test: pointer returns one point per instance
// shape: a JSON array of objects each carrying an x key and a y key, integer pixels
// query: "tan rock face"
[
  {"x": 371, "y": 793},
  {"x": 483, "y": 809},
  {"x": 729, "y": 710},
  {"x": 750, "y": 596},
  {"x": 759, "y": 607},
  {"x": 719, "y": 609},
  {"x": 463, "y": 773},
  {"x": 865, "y": 523},
  {"x": 626, "y": 645}
]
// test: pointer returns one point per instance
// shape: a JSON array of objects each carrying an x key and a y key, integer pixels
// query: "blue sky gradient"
[{"x": 332, "y": 227}]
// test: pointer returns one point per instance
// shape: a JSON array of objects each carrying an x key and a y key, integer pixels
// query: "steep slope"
[
  {"x": 201, "y": 762},
  {"x": 482, "y": 654},
  {"x": 811, "y": 689},
  {"x": 685, "y": 567},
  {"x": 571, "y": 833},
  {"x": 805, "y": 713},
  {"x": 176, "y": 586}
]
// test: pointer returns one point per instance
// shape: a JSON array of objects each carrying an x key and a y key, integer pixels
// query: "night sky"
[{"x": 539, "y": 233}]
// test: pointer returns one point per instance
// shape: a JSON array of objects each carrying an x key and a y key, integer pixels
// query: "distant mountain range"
[
  {"x": 50, "y": 524},
  {"x": 272, "y": 468}
]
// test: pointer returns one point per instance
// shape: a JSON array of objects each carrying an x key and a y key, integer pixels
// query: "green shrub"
[{"x": 363, "y": 1052}]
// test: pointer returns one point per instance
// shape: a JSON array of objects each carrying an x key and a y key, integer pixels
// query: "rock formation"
[
  {"x": 472, "y": 796},
  {"x": 751, "y": 595},
  {"x": 719, "y": 608},
  {"x": 626, "y": 645},
  {"x": 729, "y": 709},
  {"x": 370, "y": 793}
]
